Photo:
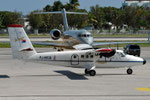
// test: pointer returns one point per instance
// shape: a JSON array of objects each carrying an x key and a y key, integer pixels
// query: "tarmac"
[{"x": 21, "y": 80}]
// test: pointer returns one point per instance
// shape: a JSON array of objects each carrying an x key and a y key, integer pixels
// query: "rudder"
[{"x": 20, "y": 43}]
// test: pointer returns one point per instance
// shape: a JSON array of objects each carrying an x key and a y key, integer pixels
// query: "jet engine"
[{"x": 55, "y": 34}]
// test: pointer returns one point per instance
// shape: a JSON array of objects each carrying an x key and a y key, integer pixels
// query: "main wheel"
[
  {"x": 129, "y": 71},
  {"x": 92, "y": 72},
  {"x": 86, "y": 71}
]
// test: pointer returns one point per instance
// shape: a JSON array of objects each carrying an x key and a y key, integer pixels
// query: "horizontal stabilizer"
[
  {"x": 63, "y": 12},
  {"x": 60, "y": 12}
]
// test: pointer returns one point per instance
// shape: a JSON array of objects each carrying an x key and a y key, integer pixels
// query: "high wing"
[
  {"x": 65, "y": 45},
  {"x": 62, "y": 45}
]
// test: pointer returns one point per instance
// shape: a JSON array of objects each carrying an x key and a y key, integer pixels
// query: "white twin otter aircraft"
[{"x": 89, "y": 59}]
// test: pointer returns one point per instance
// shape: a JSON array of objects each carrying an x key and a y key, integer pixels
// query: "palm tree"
[{"x": 73, "y": 5}]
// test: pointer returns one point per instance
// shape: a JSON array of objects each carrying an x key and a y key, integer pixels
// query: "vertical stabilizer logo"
[{"x": 20, "y": 39}]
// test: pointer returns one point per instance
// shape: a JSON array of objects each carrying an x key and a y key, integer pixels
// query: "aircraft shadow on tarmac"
[
  {"x": 4, "y": 76},
  {"x": 72, "y": 75}
]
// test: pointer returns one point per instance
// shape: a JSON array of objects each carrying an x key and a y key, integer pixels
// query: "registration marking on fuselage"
[{"x": 143, "y": 89}]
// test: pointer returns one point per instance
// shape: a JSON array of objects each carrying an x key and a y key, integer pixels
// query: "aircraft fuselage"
[
  {"x": 73, "y": 37},
  {"x": 87, "y": 59}
]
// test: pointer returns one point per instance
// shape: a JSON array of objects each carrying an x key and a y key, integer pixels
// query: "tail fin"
[
  {"x": 20, "y": 44},
  {"x": 63, "y": 12}
]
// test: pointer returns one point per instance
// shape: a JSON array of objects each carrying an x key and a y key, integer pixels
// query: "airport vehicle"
[
  {"x": 89, "y": 59},
  {"x": 73, "y": 37},
  {"x": 132, "y": 49}
]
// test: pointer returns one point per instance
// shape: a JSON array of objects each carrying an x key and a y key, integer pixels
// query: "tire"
[
  {"x": 129, "y": 71},
  {"x": 92, "y": 72},
  {"x": 86, "y": 71}
]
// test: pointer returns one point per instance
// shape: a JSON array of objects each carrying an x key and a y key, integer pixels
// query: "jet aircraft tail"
[
  {"x": 20, "y": 44},
  {"x": 63, "y": 12}
]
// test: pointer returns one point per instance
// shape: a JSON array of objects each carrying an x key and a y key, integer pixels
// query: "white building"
[{"x": 135, "y": 3}]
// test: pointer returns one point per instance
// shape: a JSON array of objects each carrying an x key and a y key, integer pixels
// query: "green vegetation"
[
  {"x": 7, "y": 45},
  {"x": 99, "y": 17},
  {"x": 4, "y": 45},
  {"x": 7, "y": 18}
]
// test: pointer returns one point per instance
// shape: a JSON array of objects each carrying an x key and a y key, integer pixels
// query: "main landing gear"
[
  {"x": 60, "y": 50},
  {"x": 90, "y": 72},
  {"x": 129, "y": 71}
]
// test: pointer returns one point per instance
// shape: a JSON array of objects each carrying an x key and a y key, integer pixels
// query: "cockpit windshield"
[
  {"x": 122, "y": 54},
  {"x": 84, "y": 35}
]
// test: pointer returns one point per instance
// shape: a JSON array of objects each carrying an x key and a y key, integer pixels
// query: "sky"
[{"x": 26, "y": 6}]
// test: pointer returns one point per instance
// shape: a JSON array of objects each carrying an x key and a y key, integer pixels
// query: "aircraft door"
[{"x": 74, "y": 59}]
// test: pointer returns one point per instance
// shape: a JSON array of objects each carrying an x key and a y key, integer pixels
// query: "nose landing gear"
[
  {"x": 90, "y": 72},
  {"x": 129, "y": 71}
]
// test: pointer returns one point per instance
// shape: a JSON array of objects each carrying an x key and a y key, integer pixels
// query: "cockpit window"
[
  {"x": 84, "y": 35},
  {"x": 79, "y": 35},
  {"x": 122, "y": 55}
]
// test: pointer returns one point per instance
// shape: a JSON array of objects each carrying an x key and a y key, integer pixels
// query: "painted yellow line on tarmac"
[{"x": 143, "y": 89}]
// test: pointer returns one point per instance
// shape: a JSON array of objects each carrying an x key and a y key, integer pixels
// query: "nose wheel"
[
  {"x": 90, "y": 72},
  {"x": 129, "y": 71}
]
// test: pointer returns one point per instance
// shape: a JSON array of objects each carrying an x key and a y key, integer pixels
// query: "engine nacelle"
[
  {"x": 110, "y": 54},
  {"x": 55, "y": 34}
]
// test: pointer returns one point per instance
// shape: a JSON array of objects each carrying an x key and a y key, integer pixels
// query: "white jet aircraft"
[
  {"x": 89, "y": 59},
  {"x": 74, "y": 37}
]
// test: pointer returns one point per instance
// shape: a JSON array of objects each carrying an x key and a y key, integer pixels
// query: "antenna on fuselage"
[{"x": 64, "y": 14}]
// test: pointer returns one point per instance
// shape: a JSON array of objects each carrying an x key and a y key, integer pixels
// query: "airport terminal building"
[{"x": 135, "y": 3}]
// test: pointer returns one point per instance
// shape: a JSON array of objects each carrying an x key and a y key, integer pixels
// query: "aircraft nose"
[{"x": 144, "y": 62}]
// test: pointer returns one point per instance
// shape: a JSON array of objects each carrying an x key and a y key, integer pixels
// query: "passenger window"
[
  {"x": 122, "y": 55},
  {"x": 75, "y": 57},
  {"x": 82, "y": 56},
  {"x": 91, "y": 56}
]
